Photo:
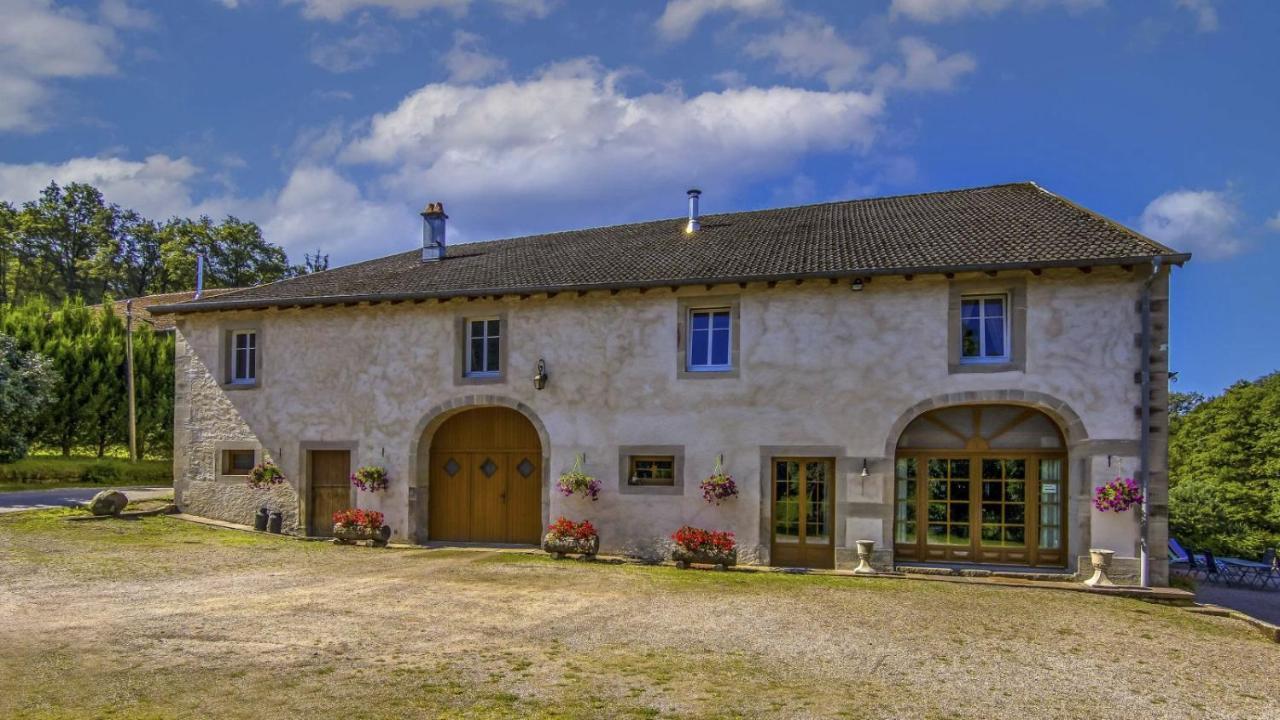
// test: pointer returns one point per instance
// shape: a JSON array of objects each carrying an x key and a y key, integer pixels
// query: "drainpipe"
[{"x": 1144, "y": 442}]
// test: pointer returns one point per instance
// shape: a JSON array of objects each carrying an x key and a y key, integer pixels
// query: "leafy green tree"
[
  {"x": 63, "y": 233},
  {"x": 130, "y": 264},
  {"x": 1224, "y": 463},
  {"x": 8, "y": 249},
  {"x": 236, "y": 255},
  {"x": 25, "y": 388}
]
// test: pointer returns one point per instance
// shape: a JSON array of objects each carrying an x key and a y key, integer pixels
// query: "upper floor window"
[
  {"x": 984, "y": 328},
  {"x": 244, "y": 357},
  {"x": 710, "y": 339},
  {"x": 484, "y": 342}
]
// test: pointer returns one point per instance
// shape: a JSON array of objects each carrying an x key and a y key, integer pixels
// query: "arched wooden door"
[{"x": 486, "y": 478}]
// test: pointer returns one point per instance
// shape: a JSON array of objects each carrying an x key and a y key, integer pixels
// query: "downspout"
[{"x": 1144, "y": 442}]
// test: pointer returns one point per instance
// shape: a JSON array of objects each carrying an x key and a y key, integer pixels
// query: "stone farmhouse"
[{"x": 948, "y": 374}]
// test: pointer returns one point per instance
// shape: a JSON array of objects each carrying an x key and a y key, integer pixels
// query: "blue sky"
[{"x": 331, "y": 122}]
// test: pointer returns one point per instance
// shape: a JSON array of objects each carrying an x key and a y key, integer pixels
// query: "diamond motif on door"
[
  {"x": 452, "y": 467},
  {"x": 488, "y": 467},
  {"x": 525, "y": 468}
]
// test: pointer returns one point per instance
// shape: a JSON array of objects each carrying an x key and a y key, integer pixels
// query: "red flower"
[
  {"x": 371, "y": 519},
  {"x": 565, "y": 529},
  {"x": 695, "y": 540}
]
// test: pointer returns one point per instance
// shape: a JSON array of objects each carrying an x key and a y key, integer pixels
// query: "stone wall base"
[{"x": 237, "y": 502}]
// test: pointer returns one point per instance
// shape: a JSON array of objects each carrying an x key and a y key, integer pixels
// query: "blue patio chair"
[
  {"x": 1182, "y": 561},
  {"x": 1216, "y": 570}
]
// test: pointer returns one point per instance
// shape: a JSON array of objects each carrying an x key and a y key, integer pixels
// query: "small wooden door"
[
  {"x": 803, "y": 500},
  {"x": 485, "y": 482},
  {"x": 330, "y": 489}
]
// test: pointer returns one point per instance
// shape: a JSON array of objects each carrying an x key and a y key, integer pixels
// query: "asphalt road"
[
  {"x": 1262, "y": 604},
  {"x": 70, "y": 497}
]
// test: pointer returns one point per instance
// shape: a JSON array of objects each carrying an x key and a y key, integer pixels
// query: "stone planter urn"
[
  {"x": 722, "y": 561},
  {"x": 1101, "y": 560},
  {"x": 559, "y": 547},
  {"x": 352, "y": 534},
  {"x": 865, "y": 548}
]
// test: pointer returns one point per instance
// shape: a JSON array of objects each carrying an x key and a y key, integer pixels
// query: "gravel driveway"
[{"x": 161, "y": 618}]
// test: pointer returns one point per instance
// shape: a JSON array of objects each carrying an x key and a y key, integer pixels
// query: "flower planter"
[
  {"x": 721, "y": 560},
  {"x": 1101, "y": 560},
  {"x": 350, "y": 535},
  {"x": 558, "y": 547},
  {"x": 865, "y": 548}
]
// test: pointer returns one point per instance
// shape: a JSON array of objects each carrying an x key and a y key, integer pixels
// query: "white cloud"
[
  {"x": 1198, "y": 221},
  {"x": 41, "y": 42},
  {"x": 468, "y": 63},
  {"x": 924, "y": 69},
  {"x": 681, "y": 17},
  {"x": 809, "y": 47},
  {"x": 358, "y": 50},
  {"x": 1274, "y": 222},
  {"x": 157, "y": 186},
  {"x": 120, "y": 14},
  {"x": 1206, "y": 14},
  {"x": 568, "y": 147},
  {"x": 936, "y": 11},
  {"x": 319, "y": 208},
  {"x": 334, "y": 10}
]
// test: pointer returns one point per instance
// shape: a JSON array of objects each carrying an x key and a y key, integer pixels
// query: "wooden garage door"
[
  {"x": 330, "y": 489},
  {"x": 485, "y": 482}
]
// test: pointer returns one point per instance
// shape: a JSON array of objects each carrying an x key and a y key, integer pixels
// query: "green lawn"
[
  {"x": 158, "y": 618},
  {"x": 54, "y": 471}
]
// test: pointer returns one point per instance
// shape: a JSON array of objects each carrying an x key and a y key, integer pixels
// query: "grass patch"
[{"x": 43, "y": 471}]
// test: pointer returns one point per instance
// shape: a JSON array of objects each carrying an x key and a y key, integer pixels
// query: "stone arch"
[
  {"x": 420, "y": 447},
  {"x": 1067, "y": 420}
]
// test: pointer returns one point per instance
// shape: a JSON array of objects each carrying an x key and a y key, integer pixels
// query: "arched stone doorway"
[
  {"x": 485, "y": 467},
  {"x": 981, "y": 483}
]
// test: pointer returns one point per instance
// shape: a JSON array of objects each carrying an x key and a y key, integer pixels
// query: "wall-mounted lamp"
[
  {"x": 856, "y": 285},
  {"x": 540, "y": 377},
  {"x": 864, "y": 472}
]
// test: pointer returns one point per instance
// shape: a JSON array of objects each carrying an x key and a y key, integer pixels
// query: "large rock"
[{"x": 108, "y": 502}]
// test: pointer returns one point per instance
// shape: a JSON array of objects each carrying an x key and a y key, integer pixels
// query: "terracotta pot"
[
  {"x": 684, "y": 558},
  {"x": 559, "y": 547}
]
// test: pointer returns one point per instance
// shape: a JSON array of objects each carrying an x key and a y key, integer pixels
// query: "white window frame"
[
  {"x": 250, "y": 358},
  {"x": 709, "y": 366},
  {"x": 468, "y": 356},
  {"x": 982, "y": 358}
]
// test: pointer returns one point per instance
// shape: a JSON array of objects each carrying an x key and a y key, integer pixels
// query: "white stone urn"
[
  {"x": 865, "y": 548},
  {"x": 1101, "y": 560}
]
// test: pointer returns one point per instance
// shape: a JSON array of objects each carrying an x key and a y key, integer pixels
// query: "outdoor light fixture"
[
  {"x": 540, "y": 377},
  {"x": 856, "y": 285},
  {"x": 864, "y": 472}
]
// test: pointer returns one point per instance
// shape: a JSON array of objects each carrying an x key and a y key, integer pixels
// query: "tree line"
[
  {"x": 1224, "y": 468},
  {"x": 71, "y": 243}
]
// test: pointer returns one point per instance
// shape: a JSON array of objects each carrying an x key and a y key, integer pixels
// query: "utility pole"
[{"x": 128, "y": 364}]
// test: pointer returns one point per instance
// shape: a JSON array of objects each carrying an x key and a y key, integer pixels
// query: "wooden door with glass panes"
[
  {"x": 989, "y": 507},
  {"x": 803, "y": 500}
]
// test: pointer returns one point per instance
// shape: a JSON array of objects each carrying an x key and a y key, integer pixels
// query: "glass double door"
[
  {"x": 803, "y": 501},
  {"x": 980, "y": 507}
]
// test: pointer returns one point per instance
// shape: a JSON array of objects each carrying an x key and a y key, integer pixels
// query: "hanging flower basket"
[
  {"x": 1117, "y": 496},
  {"x": 565, "y": 537},
  {"x": 353, "y": 526},
  {"x": 720, "y": 486},
  {"x": 576, "y": 481},
  {"x": 370, "y": 478},
  {"x": 705, "y": 547},
  {"x": 264, "y": 475}
]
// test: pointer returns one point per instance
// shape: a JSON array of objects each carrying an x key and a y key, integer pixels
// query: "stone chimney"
[
  {"x": 693, "y": 226},
  {"x": 433, "y": 244}
]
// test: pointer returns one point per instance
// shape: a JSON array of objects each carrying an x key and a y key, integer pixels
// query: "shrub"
[
  {"x": 697, "y": 540},
  {"x": 101, "y": 472},
  {"x": 371, "y": 519},
  {"x": 371, "y": 478}
]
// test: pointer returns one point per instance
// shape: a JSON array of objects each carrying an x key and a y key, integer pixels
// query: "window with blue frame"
[
  {"x": 710, "y": 340},
  {"x": 984, "y": 328}
]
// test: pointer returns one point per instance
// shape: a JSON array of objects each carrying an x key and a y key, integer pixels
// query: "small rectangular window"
[
  {"x": 483, "y": 347},
  {"x": 237, "y": 462},
  {"x": 710, "y": 340},
  {"x": 244, "y": 357},
  {"x": 984, "y": 328},
  {"x": 652, "y": 471}
]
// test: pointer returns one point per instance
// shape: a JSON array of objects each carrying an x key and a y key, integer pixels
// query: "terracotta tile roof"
[
  {"x": 164, "y": 322},
  {"x": 1005, "y": 226}
]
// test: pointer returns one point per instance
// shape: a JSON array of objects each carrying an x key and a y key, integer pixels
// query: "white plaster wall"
[{"x": 820, "y": 366}]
